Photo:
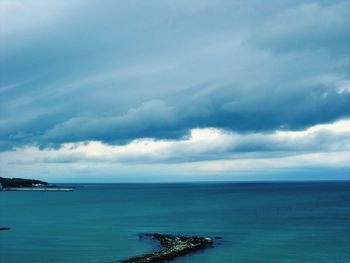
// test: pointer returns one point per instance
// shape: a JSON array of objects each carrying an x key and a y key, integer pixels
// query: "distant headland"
[{"x": 20, "y": 184}]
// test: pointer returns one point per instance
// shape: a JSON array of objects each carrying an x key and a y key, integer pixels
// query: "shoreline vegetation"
[
  {"x": 20, "y": 184},
  {"x": 171, "y": 247}
]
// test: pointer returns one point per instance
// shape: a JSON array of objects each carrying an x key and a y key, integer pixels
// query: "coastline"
[
  {"x": 46, "y": 189},
  {"x": 21, "y": 184}
]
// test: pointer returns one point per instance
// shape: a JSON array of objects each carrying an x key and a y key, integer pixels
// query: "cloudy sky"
[{"x": 174, "y": 90}]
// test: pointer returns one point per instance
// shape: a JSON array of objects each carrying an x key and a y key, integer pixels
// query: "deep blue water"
[{"x": 260, "y": 222}]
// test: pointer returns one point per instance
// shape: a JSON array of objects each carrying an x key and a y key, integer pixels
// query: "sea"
[{"x": 266, "y": 222}]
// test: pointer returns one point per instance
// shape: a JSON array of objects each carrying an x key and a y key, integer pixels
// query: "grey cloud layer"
[
  {"x": 201, "y": 146},
  {"x": 308, "y": 27},
  {"x": 158, "y": 70}
]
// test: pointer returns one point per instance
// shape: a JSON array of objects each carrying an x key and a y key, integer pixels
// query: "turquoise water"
[{"x": 260, "y": 222}]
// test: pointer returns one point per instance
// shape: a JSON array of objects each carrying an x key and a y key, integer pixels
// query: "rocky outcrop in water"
[{"x": 171, "y": 247}]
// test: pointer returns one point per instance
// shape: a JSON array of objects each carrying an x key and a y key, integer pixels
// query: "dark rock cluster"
[{"x": 171, "y": 247}]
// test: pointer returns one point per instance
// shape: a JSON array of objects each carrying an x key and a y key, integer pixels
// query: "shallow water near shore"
[{"x": 259, "y": 222}]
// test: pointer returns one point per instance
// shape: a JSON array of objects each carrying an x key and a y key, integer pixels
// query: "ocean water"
[{"x": 259, "y": 222}]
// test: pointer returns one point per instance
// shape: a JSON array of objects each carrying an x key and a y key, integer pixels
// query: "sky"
[{"x": 175, "y": 90}]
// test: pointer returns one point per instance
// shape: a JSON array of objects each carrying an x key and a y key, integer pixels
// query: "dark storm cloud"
[
  {"x": 155, "y": 69},
  {"x": 237, "y": 112}
]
